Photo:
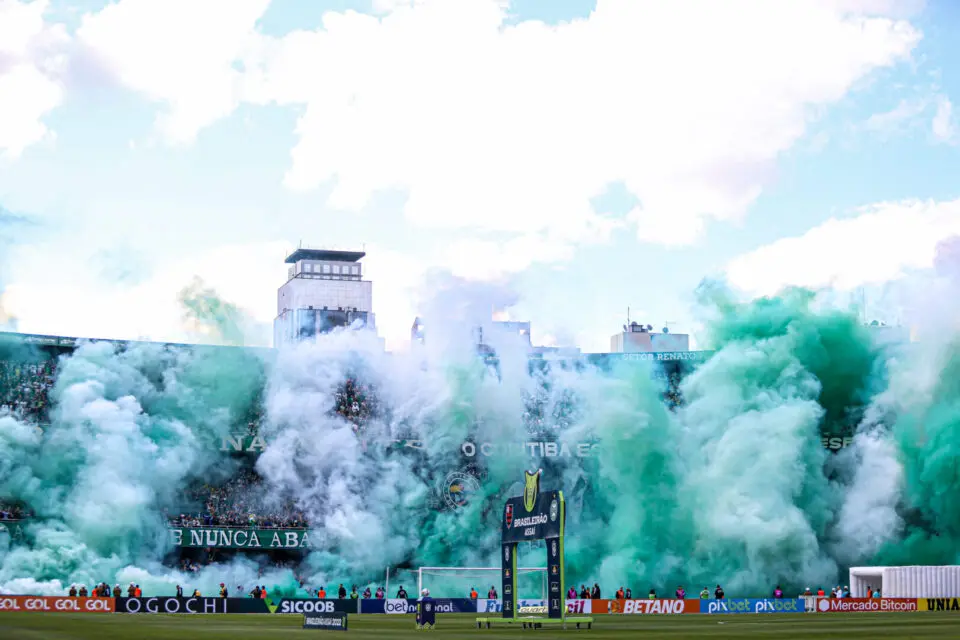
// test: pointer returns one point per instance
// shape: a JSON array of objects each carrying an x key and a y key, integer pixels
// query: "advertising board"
[
  {"x": 580, "y": 607},
  {"x": 496, "y": 606},
  {"x": 57, "y": 604},
  {"x": 335, "y": 621},
  {"x": 312, "y": 605},
  {"x": 409, "y": 606},
  {"x": 846, "y": 605},
  {"x": 937, "y": 604},
  {"x": 646, "y": 607},
  {"x": 194, "y": 606},
  {"x": 752, "y": 605}
]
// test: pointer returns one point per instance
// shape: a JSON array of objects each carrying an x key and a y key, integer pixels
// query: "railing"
[{"x": 184, "y": 525}]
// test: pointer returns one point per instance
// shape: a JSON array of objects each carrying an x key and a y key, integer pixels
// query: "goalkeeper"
[{"x": 426, "y": 611}]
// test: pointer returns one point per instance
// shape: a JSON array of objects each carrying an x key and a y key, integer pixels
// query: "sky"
[{"x": 590, "y": 157}]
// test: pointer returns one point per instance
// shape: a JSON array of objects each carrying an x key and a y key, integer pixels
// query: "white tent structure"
[{"x": 906, "y": 582}]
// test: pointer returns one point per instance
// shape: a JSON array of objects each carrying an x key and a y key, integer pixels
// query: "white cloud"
[
  {"x": 31, "y": 62},
  {"x": 885, "y": 242},
  {"x": 181, "y": 53},
  {"x": 910, "y": 114},
  {"x": 54, "y": 291},
  {"x": 514, "y": 128},
  {"x": 57, "y": 289},
  {"x": 904, "y": 114},
  {"x": 944, "y": 127}
]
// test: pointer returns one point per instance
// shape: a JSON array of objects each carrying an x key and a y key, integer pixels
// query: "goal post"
[{"x": 456, "y": 582}]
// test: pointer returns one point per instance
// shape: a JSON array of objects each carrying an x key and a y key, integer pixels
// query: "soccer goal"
[{"x": 456, "y": 582}]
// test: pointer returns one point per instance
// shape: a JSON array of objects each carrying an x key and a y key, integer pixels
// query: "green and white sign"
[{"x": 229, "y": 538}]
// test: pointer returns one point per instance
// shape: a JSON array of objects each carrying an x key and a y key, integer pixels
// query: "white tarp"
[{"x": 906, "y": 582}]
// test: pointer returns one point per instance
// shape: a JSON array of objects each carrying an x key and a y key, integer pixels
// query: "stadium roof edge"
[
  {"x": 324, "y": 254},
  {"x": 40, "y": 340}
]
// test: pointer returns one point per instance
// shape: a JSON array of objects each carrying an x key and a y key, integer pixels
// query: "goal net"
[{"x": 456, "y": 582}]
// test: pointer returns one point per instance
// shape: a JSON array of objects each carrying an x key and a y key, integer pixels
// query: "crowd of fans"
[
  {"x": 356, "y": 402},
  {"x": 672, "y": 395},
  {"x": 25, "y": 388},
  {"x": 239, "y": 502},
  {"x": 12, "y": 511}
]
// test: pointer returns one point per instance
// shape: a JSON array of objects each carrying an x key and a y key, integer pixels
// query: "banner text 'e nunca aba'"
[{"x": 227, "y": 538}]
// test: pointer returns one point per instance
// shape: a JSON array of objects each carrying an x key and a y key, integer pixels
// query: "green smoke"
[
  {"x": 219, "y": 321},
  {"x": 734, "y": 487}
]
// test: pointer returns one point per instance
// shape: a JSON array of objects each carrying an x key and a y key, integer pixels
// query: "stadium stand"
[
  {"x": 25, "y": 388},
  {"x": 27, "y": 376},
  {"x": 238, "y": 503}
]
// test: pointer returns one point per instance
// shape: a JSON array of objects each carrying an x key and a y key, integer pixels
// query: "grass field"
[{"x": 27, "y": 626}]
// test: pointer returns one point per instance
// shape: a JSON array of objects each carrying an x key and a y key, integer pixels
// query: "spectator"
[
  {"x": 401, "y": 593},
  {"x": 778, "y": 593},
  {"x": 718, "y": 593}
]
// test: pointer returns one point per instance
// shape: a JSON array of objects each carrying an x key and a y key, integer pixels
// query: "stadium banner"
[
  {"x": 753, "y": 605},
  {"x": 313, "y": 605},
  {"x": 246, "y": 443},
  {"x": 931, "y": 604},
  {"x": 230, "y": 538},
  {"x": 57, "y": 604},
  {"x": 646, "y": 607},
  {"x": 191, "y": 605},
  {"x": 335, "y": 621}
]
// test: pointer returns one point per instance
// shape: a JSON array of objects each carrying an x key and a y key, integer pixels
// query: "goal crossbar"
[{"x": 421, "y": 570}]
